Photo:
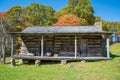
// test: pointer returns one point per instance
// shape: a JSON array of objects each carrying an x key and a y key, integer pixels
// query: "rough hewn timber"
[
  {"x": 37, "y": 62},
  {"x": 12, "y": 62},
  {"x": 12, "y": 45},
  {"x": 42, "y": 45},
  {"x": 108, "y": 53},
  {"x": 75, "y": 46},
  {"x": 63, "y": 62},
  {"x": 59, "y": 58}
]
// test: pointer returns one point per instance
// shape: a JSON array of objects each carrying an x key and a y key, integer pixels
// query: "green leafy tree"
[
  {"x": 108, "y": 26},
  {"x": 15, "y": 13},
  {"x": 40, "y": 14},
  {"x": 84, "y": 10},
  {"x": 32, "y": 15},
  {"x": 98, "y": 19}
]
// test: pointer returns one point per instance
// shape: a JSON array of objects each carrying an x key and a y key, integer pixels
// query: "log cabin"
[{"x": 64, "y": 43}]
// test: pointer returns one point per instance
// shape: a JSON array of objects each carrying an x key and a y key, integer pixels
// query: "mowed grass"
[{"x": 99, "y": 70}]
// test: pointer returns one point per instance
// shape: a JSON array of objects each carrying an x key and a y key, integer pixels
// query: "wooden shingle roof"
[{"x": 62, "y": 29}]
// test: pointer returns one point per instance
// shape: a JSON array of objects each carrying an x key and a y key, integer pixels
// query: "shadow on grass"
[
  {"x": 32, "y": 62},
  {"x": 50, "y": 62},
  {"x": 112, "y": 56}
]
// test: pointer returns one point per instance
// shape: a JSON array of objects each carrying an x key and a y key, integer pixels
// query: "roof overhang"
[
  {"x": 62, "y": 30},
  {"x": 65, "y": 33}
]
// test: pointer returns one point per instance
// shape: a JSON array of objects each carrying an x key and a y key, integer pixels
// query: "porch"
[
  {"x": 59, "y": 47},
  {"x": 51, "y": 44},
  {"x": 59, "y": 58}
]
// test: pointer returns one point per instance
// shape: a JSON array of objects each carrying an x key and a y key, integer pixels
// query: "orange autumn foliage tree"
[
  {"x": 68, "y": 20},
  {"x": 3, "y": 14}
]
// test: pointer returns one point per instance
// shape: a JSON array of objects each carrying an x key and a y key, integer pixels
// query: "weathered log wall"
[
  {"x": 59, "y": 43},
  {"x": 32, "y": 43},
  {"x": 87, "y": 45}
]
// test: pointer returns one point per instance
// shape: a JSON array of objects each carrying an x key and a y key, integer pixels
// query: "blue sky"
[{"x": 107, "y": 9}]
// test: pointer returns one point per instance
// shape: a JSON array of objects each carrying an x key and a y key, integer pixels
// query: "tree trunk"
[
  {"x": 3, "y": 50},
  {"x": 3, "y": 42}
]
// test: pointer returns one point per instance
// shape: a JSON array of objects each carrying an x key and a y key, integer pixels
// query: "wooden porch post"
[
  {"x": 42, "y": 46},
  {"x": 12, "y": 45},
  {"x": 12, "y": 51},
  {"x": 108, "y": 53},
  {"x": 75, "y": 46}
]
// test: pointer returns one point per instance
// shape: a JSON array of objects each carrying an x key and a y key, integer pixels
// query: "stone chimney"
[{"x": 98, "y": 24}]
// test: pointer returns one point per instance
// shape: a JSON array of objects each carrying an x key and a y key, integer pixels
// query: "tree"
[
  {"x": 85, "y": 10},
  {"x": 4, "y": 24},
  {"x": 109, "y": 26},
  {"x": 80, "y": 8},
  {"x": 98, "y": 19},
  {"x": 40, "y": 14},
  {"x": 33, "y": 15},
  {"x": 68, "y": 20},
  {"x": 15, "y": 13}
]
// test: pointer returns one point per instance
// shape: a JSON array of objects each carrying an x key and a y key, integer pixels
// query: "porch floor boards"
[{"x": 59, "y": 58}]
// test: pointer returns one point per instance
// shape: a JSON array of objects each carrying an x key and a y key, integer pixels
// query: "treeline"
[
  {"x": 35, "y": 14},
  {"x": 108, "y": 26},
  {"x": 32, "y": 15}
]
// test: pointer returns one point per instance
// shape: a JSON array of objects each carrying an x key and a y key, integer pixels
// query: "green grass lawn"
[{"x": 99, "y": 70}]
